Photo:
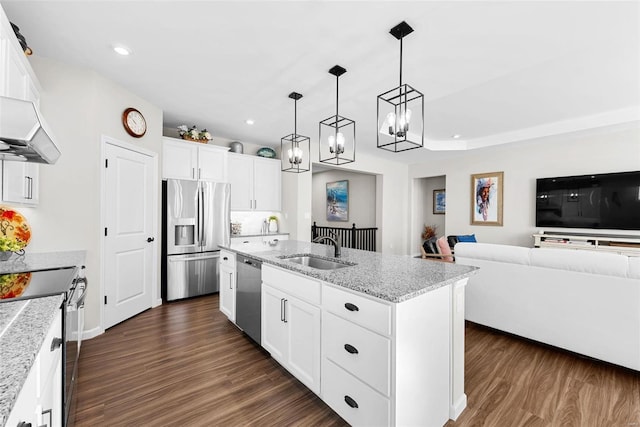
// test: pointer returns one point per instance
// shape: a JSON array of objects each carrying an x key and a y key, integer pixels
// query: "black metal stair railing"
[{"x": 349, "y": 237}]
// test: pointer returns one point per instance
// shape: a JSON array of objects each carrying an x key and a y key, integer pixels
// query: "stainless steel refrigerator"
[{"x": 196, "y": 221}]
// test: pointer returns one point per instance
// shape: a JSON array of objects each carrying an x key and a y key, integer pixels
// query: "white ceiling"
[{"x": 493, "y": 72}]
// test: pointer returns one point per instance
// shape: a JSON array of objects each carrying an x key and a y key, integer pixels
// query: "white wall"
[
  {"x": 392, "y": 208},
  {"x": 362, "y": 198},
  {"x": 597, "y": 151},
  {"x": 80, "y": 106}
]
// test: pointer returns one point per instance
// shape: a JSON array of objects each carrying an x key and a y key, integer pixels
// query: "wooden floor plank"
[{"x": 185, "y": 364}]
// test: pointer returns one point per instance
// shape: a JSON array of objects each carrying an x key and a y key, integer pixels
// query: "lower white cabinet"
[
  {"x": 20, "y": 182},
  {"x": 228, "y": 284},
  {"x": 290, "y": 325},
  {"x": 40, "y": 400}
]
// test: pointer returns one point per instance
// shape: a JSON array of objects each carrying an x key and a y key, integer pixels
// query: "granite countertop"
[
  {"x": 240, "y": 236},
  {"x": 42, "y": 261},
  {"x": 393, "y": 278},
  {"x": 23, "y": 326}
]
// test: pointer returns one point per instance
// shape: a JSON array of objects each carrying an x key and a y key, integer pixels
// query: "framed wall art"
[
  {"x": 486, "y": 198},
  {"x": 439, "y": 202},
  {"x": 338, "y": 201}
]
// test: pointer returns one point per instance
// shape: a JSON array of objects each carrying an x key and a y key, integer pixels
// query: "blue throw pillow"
[{"x": 467, "y": 238}]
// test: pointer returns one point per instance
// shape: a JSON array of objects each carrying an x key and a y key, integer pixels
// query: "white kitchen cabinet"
[
  {"x": 291, "y": 323},
  {"x": 192, "y": 160},
  {"x": 255, "y": 183},
  {"x": 17, "y": 80},
  {"x": 20, "y": 182},
  {"x": 40, "y": 399},
  {"x": 386, "y": 363},
  {"x": 228, "y": 284}
]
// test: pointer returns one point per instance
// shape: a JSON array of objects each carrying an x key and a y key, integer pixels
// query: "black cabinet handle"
[
  {"x": 350, "y": 349},
  {"x": 24, "y": 424},
  {"x": 225, "y": 259},
  {"x": 150, "y": 239},
  {"x": 285, "y": 310},
  {"x": 351, "y": 307},
  {"x": 351, "y": 402},
  {"x": 282, "y": 309},
  {"x": 55, "y": 343}
]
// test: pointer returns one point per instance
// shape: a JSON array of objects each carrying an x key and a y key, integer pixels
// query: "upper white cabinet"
[
  {"x": 20, "y": 183},
  {"x": 255, "y": 183},
  {"x": 17, "y": 80},
  {"x": 192, "y": 160},
  {"x": 17, "y": 77}
]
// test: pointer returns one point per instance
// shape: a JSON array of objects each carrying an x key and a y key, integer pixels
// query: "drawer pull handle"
[
  {"x": 351, "y": 402},
  {"x": 225, "y": 259},
  {"x": 351, "y": 307},
  {"x": 55, "y": 343},
  {"x": 350, "y": 349}
]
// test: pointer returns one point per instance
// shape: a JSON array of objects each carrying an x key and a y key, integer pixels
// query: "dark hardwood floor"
[{"x": 184, "y": 364}]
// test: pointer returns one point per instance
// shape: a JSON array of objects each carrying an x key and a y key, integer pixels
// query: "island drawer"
[
  {"x": 353, "y": 400},
  {"x": 293, "y": 284},
  {"x": 228, "y": 259},
  {"x": 363, "y": 353},
  {"x": 366, "y": 312}
]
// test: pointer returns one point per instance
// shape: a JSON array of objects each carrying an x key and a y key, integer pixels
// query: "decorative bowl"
[{"x": 267, "y": 152}]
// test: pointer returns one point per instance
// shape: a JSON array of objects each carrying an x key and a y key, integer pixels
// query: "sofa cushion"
[
  {"x": 581, "y": 260},
  {"x": 493, "y": 252},
  {"x": 634, "y": 267}
]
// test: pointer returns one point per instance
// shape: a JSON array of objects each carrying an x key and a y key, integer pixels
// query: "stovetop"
[{"x": 35, "y": 284}]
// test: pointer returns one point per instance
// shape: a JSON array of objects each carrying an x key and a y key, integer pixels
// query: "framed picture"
[
  {"x": 439, "y": 202},
  {"x": 486, "y": 198},
  {"x": 338, "y": 201}
]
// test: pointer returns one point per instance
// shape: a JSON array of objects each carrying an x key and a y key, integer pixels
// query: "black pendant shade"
[
  {"x": 400, "y": 111},
  {"x": 295, "y": 149},
  {"x": 337, "y": 140}
]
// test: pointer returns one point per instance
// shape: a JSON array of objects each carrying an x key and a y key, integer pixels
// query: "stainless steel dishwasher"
[{"x": 248, "y": 296}]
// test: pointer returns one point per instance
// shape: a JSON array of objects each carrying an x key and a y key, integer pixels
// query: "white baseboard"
[
  {"x": 457, "y": 407},
  {"x": 92, "y": 333},
  {"x": 156, "y": 303}
]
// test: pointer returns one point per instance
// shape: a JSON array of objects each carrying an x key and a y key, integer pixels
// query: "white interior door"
[{"x": 129, "y": 241}]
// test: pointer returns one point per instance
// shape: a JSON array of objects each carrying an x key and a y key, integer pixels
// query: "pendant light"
[
  {"x": 400, "y": 110},
  {"x": 337, "y": 133},
  {"x": 295, "y": 158}
]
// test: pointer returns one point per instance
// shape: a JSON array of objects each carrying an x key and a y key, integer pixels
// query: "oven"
[{"x": 73, "y": 325}]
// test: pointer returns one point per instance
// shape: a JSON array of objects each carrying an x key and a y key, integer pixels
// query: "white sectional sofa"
[{"x": 584, "y": 301}]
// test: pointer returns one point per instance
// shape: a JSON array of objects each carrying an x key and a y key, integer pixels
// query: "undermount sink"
[{"x": 317, "y": 262}]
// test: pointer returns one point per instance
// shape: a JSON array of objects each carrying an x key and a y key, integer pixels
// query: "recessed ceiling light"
[
  {"x": 249, "y": 122},
  {"x": 121, "y": 50},
  {"x": 456, "y": 136}
]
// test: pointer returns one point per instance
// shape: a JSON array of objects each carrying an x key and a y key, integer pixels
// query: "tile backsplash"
[{"x": 251, "y": 222}]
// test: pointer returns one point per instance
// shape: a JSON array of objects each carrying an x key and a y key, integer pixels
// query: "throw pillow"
[
  {"x": 445, "y": 250},
  {"x": 430, "y": 246},
  {"x": 467, "y": 238}
]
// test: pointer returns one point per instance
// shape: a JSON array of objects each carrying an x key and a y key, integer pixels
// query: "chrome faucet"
[{"x": 333, "y": 240}]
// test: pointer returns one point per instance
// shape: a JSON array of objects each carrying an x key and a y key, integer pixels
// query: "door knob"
[{"x": 150, "y": 239}]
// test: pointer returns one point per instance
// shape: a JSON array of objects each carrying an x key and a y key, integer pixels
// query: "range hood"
[{"x": 24, "y": 135}]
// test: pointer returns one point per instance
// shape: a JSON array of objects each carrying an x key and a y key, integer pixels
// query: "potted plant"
[{"x": 273, "y": 224}]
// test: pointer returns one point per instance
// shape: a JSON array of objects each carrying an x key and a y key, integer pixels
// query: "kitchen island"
[{"x": 381, "y": 340}]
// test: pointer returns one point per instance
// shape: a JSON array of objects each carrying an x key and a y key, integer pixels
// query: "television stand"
[{"x": 620, "y": 244}]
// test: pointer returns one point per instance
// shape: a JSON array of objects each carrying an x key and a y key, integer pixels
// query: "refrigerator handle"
[{"x": 200, "y": 215}]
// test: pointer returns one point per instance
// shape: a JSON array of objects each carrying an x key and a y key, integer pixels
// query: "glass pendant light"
[
  {"x": 400, "y": 110},
  {"x": 337, "y": 143},
  {"x": 295, "y": 158}
]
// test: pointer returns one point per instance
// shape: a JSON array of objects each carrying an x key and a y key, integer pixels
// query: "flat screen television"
[{"x": 603, "y": 201}]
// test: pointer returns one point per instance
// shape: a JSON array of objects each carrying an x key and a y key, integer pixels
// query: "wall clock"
[{"x": 134, "y": 122}]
